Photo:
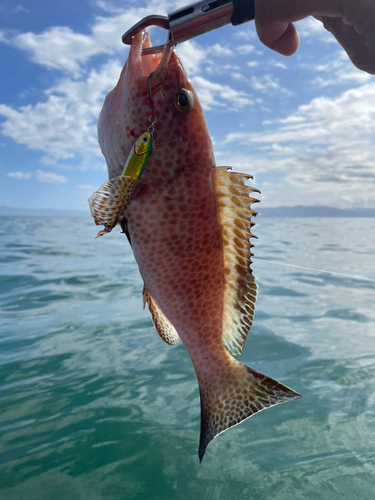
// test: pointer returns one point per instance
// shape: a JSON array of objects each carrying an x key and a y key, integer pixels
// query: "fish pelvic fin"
[
  {"x": 162, "y": 324},
  {"x": 233, "y": 395},
  {"x": 110, "y": 201},
  {"x": 240, "y": 289}
]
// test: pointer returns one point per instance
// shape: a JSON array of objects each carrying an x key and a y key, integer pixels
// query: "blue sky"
[{"x": 304, "y": 126}]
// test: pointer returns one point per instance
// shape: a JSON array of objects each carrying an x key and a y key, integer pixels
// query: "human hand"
[{"x": 352, "y": 23}]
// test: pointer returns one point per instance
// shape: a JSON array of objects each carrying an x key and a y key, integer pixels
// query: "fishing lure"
[{"x": 110, "y": 201}]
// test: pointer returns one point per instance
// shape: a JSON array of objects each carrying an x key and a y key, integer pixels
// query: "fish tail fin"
[{"x": 232, "y": 395}]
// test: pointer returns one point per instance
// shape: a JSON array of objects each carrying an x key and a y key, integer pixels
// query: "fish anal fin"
[
  {"x": 229, "y": 397},
  {"x": 110, "y": 201},
  {"x": 162, "y": 324},
  {"x": 240, "y": 289}
]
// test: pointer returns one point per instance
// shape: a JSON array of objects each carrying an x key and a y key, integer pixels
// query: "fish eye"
[
  {"x": 145, "y": 138},
  {"x": 183, "y": 100}
]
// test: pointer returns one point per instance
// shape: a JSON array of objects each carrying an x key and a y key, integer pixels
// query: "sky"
[{"x": 303, "y": 126}]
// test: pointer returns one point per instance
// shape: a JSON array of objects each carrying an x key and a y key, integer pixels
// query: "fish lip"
[
  {"x": 160, "y": 73},
  {"x": 155, "y": 65}
]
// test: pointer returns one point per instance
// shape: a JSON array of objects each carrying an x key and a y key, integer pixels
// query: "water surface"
[{"x": 94, "y": 405}]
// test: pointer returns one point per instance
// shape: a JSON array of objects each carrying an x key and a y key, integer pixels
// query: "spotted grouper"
[{"x": 189, "y": 225}]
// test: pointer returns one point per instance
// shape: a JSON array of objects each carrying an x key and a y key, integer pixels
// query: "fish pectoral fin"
[
  {"x": 162, "y": 324},
  {"x": 232, "y": 395},
  {"x": 110, "y": 201}
]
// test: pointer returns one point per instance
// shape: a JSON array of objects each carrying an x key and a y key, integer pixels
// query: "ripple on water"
[{"x": 95, "y": 406}]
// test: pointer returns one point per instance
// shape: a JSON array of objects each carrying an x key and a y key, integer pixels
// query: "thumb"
[{"x": 284, "y": 39}]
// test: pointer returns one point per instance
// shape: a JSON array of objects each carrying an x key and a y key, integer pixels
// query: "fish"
[{"x": 189, "y": 224}]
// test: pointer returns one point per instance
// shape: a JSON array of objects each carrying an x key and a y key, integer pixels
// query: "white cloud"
[
  {"x": 264, "y": 83},
  {"x": 209, "y": 91},
  {"x": 344, "y": 77},
  {"x": 7, "y": 8},
  {"x": 218, "y": 50},
  {"x": 50, "y": 177},
  {"x": 323, "y": 148},
  {"x": 20, "y": 175},
  {"x": 278, "y": 64},
  {"x": 109, "y": 7},
  {"x": 245, "y": 49},
  {"x": 213, "y": 68},
  {"x": 61, "y": 48},
  {"x": 313, "y": 28},
  {"x": 339, "y": 70},
  {"x": 65, "y": 123},
  {"x": 247, "y": 35},
  {"x": 20, "y": 8},
  {"x": 237, "y": 76},
  {"x": 47, "y": 160},
  {"x": 326, "y": 149},
  {"x": 41, "y": 176},
  {"x": 192, "y": 55}
]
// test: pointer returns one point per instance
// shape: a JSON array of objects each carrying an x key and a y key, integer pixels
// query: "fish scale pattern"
[{"x": 240, "y": 289}]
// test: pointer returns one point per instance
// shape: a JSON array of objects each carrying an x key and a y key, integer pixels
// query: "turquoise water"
[{"x": 93, "y": 404}]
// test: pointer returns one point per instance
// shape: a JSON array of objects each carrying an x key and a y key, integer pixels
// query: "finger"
[
  {"x": 360, "y": 49},
  {"x": 286, "y": 43},
  {"x": 273, "y": 20}
]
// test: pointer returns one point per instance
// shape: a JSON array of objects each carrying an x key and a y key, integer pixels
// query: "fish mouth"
[{"x": 156, "y": 65}]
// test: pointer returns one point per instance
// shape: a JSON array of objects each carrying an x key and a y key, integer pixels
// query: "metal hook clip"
[{"x": 194, "y": 20}]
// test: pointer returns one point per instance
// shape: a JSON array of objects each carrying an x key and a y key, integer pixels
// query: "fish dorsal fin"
[
  {"x": 162, "y": 324},
  {"x": 240, "y": 289}
]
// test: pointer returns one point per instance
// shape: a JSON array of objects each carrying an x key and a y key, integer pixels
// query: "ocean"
[{"x": 94, "y": 405}]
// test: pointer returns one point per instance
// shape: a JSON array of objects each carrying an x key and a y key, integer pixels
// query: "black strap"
[{"x": 243, "y": 11}]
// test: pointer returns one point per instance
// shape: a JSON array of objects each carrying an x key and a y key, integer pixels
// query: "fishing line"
[
  {"x": 152, "y": 117},
  {"x": 315, "y": 270}
]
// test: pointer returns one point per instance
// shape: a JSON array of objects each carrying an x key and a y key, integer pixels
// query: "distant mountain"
[
  {"x": 315, "y": 211},
  {"x": 34, "y": 212},
  {"x": 296, "y": 211}
]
